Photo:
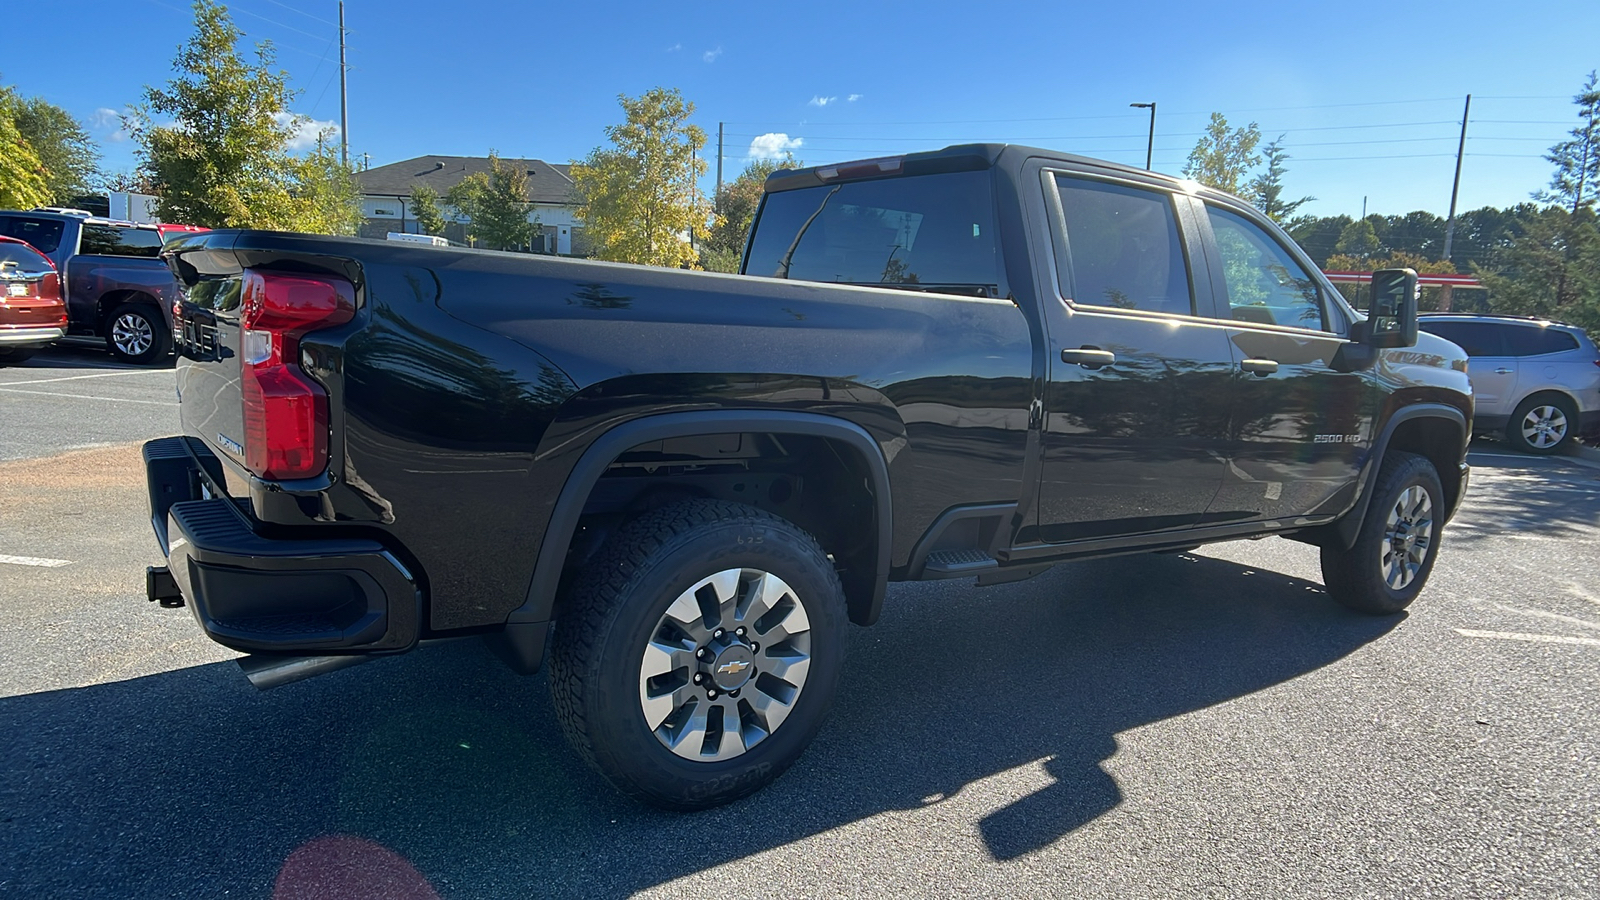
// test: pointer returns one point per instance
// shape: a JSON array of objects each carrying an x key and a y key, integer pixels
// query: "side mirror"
[{"x": 1392, "y": 314}]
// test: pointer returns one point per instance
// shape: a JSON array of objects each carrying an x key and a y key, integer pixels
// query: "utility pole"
[
  {"x": 344, "y": 98},
  {"x": 1455, "y": 189},
  {"x": 1447, "y": 291},
  {"x": 718, "y": 198},
  {"x": 1150, "y": 146}
]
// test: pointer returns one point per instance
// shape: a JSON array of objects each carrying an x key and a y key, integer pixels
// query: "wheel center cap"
[{"x": 733, "y": 667}]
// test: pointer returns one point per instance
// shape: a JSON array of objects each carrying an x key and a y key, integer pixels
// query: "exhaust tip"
[{"x": 270, "y": 670}]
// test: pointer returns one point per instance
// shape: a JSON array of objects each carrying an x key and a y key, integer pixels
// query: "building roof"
[{"x": 547, "y": 182}]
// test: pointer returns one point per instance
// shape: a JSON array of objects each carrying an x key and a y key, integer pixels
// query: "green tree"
[
  {"x": 224, "y": 161},
  {"x": 1318, "y": 235},
  {"x": 24, "y": 182},
  {"x": 638, "y": 198},
  {"x": 1266, "y": 191},
  {"x": 1551, "y": 268},
  {"x": 1222, "y": 158},
  {"x": 735, "y": 209},
  {"x": 496, "y": 203},
  {"x": 1577, "y": 161},
  {"x": 326, "y": 197},
  {"x": 69, "y": 156},
  {"x": 425, "y": 209},
  {"x": 1358, "y": 239}
]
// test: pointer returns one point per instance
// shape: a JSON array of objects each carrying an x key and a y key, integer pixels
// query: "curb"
[{"x": 1583, "y": 456}]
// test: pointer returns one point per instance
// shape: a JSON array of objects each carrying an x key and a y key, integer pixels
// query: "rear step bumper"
[{"x": 272, "y": 595}]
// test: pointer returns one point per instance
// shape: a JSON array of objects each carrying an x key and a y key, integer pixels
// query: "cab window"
[
  {"x": 114, "y": 240},
  {"x": 1266, "y": 286},
  {"x": 1124, "y": 248}
]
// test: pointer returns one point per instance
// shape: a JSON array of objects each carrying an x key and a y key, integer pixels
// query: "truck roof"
[{"x": 954, "y": 158}]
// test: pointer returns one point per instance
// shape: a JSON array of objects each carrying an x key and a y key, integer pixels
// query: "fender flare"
[
  {"x": 865, "y": 605},
  {"x": 1345, "y": 529}
]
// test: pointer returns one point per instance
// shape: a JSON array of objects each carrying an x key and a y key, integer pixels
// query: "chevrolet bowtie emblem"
[{"x": 732, "y": 668}]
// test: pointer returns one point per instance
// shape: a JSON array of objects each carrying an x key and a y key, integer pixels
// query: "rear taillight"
[{"x": 285, "y": 411}]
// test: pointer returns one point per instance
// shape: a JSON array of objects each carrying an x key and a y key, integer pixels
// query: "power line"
[{"x": 303, "y": 13}]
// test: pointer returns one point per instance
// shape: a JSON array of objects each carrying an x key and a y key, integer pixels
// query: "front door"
[
  {"x": 1300, "y": 428},
  {"x": 1137, "y": 402}
]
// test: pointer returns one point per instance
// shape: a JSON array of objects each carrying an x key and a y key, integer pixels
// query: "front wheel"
[
  {"x": 1386, "y": 567},
  {"x": 136, "y": 333},
  {"x": 698, "y": 653}
]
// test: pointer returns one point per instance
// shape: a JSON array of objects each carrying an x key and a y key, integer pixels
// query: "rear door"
[
  {"x": 1137, "y": 400},
  {"x": 1490, "y": 366}
]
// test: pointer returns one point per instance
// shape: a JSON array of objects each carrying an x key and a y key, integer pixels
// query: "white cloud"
[
  {"x": 819, "y": 100},
  {"x": 110, "y": 120},
  {"x": 674, "y": 48},
  {"x": 304, "y": 130},
  {"x": 854, "y": 97},
  {"x": 773, "y": 145},
  {"x": 711, "y": 55}
]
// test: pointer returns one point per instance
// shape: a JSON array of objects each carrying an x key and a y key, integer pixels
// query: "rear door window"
[
  {"x": 44, "y": 235},
  {"x": 924, "y": 232},
  {"x": 1124, "y": 248},
  {"x": 1536, "y": 340},
  {"x": 1476, "y": 338},
  {"x": 117, "y": 240}
]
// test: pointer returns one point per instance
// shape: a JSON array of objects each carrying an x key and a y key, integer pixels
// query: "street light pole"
[{"x": 1150, "y": 146}]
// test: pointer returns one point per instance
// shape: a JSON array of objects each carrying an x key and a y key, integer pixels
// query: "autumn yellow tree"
[{"x": 638, "y": 197}]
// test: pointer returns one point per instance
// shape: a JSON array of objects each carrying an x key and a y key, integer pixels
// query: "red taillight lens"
[{"x": 285, "y": 411}]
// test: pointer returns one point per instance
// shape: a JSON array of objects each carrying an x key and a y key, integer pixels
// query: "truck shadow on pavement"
[{"x": 192, "y": 783}]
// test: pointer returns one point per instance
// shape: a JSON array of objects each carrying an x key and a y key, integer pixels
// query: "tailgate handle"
[
  {"x": 1089, "y": 357},
  {"x": 1262, "y": 367},
  {"x": 1503, "y": 371}
]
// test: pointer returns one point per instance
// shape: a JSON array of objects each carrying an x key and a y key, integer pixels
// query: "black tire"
[
  {"x": 1553, "y": 419},
  {"x": 617, "y": 606},
  {"x": 136, "y": 333},
  {"x": 1359, "y": 578},
  {"x": 14, "y": 355}
]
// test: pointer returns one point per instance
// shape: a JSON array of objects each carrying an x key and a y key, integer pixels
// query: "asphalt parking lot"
[{"x": 1205, "y": 724}]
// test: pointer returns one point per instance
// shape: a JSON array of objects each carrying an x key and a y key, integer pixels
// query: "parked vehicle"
[
  {"x": 980, "y": 361},
  {"x": 1537, "y": 382},
  {"x": 32, "y": 313},
  {"x": 116, "y": 286}
]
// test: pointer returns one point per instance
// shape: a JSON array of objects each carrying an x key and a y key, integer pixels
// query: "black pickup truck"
[{"x": 980, "y": 361}]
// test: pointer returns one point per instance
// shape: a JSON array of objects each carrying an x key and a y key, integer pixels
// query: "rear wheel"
[
  {"x": 1542, "y": 425},
  {"x": 17, "y": 354},
  {"x": 698, "y": 653},
  {"x": 1387, "y": 566},
  {"x": 136, "y": 333}
]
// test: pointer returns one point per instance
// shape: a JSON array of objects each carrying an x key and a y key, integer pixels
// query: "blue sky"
[{"x": 1368, "y": 94}]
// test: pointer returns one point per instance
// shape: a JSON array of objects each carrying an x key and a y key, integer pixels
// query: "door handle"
[
  {"x": 1089, "y": 357},
  {"x": 1502, "y": 371},
  {"x": 1261, "y": 367}
]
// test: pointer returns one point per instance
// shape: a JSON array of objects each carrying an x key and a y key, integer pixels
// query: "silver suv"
[{"x": 1537, "y": 382}]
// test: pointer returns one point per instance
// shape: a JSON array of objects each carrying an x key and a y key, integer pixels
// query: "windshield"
[{"x": 926, "y": 232}]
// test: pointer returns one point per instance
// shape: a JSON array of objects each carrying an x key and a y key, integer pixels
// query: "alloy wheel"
[
  {"x": 132, "y": 334},
  {"x": 725, "y": 664},
  {"x": 1407, "y": 537},
  {"x": 1544, "y": 427}
]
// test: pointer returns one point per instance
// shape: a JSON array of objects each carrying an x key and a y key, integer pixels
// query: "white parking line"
[
  {"x": 96, "y": 375},
  {"x": 1530, "y": 638},
  {"x": 35, "y": 561},
  {"x": 89, "y": 397}
]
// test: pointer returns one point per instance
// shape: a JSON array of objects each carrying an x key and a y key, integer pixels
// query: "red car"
[{"x": 32, "y": 311}]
